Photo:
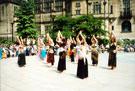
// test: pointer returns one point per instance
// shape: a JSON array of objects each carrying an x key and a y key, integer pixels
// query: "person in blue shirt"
[{"x": 0, "y": 52}]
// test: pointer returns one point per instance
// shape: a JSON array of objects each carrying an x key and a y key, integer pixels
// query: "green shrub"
[
  {"x": 6, "y": 42},
  {"x": 132, "y": 41},
  {"x": 126, "y": 41},
  {"x": 103, "y": 41},
  {"x": 120, "y": 42}
]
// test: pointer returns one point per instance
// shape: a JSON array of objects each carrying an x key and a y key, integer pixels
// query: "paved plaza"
[{"x": 37, "y": 75}]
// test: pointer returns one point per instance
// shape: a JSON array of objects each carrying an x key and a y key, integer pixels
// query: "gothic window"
[
  {"x": 126, "y": 26},
  {"x": 78, "y": 5},
  {"x": 58, "y": 6},
  {"x": 111, "y": 9},
  {"x": 78, "y": 12},
  {"x": 97, "y": 8},
  {"x": 47, "y": 6},
  {"x": 47, "y": 27},
  {"x": 15, "y": 8},
  {"x": 39, "y": 29},
  {"x": 126, "y": 6},
  {"x": 112, "y": 27},
  {"x": 37, "y": 7},
  {"x": 3, "y": 10}
]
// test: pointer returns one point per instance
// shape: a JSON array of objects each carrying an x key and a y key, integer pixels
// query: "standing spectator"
[
  {"x": 102, "y": 48},
  {"x": 0, "y": 52},
  {"x": 134, "y": 47}
]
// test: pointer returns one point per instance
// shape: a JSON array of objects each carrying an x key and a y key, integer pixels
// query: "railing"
[{"x": 126, "y": 15}]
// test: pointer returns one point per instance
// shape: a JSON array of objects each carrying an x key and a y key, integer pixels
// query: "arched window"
[{"x": 126, "y": 26}]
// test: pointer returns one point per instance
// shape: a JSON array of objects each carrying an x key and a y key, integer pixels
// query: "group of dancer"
[{"x": 77, "y": 49}]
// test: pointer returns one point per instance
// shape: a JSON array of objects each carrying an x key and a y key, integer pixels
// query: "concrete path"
[{"x": 37, "y": 75}]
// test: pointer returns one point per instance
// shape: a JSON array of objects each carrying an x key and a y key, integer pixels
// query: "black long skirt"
[
  {"x": 112, "y": 59},
  {"x": 62, "y": 62},
  {"x": 51, "y": 58},
  {"x": 94, "y": 56},
  {"x": 72, "y": 57},
  {"x": 82, "y": 69},
  {"x": 21, "y": 59}
]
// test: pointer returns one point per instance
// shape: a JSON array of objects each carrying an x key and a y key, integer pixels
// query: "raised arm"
[
  {"x": 71, "y": 40},
  {"x": 60, "y": 35},
  {"x": 22, "y": 42},
  {"x": 19, "y": 40},
  {"x": 113, "y": 36},
  {"x": 85, "y": 43},
  {"x": 38, "y": 42},
  {"x": 77, "y": 38},
  {"x": 94, "y": 40},
  {"x": 50, "y": 40},
  {"x": 47, "y": 36}
]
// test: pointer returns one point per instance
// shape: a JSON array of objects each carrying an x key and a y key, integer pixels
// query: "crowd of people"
[
  {"x": 129, "y": 48},
  {"x": 76, "y": 48}
]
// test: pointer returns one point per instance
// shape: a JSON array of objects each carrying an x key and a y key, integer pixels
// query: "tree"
[
  {"x": 63, "y": 24},
  {"x": 90, "y": 25},
  {"x": 25, "y": 18},
  {"x": 71, "y": 26}
]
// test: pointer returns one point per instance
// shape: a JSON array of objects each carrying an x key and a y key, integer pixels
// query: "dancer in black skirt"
[
  {"x": 72, "y": 49},
  {"x": 82, "y": 69},
  {"x": 112, "y": 51},
  {"x": 21, "y": 56},
  {"x": 62, "y": 59},
  {"x": 94, "y": 52},
  {"x": 62, "y": 54}
]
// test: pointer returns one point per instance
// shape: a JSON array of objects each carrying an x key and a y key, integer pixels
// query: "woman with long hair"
[{"x": 112, "y": 51}]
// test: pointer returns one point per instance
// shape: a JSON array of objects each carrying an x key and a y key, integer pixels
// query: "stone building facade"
[
  {"x": 7, "y": 24},
  {"x": 119, "y": 15}
]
